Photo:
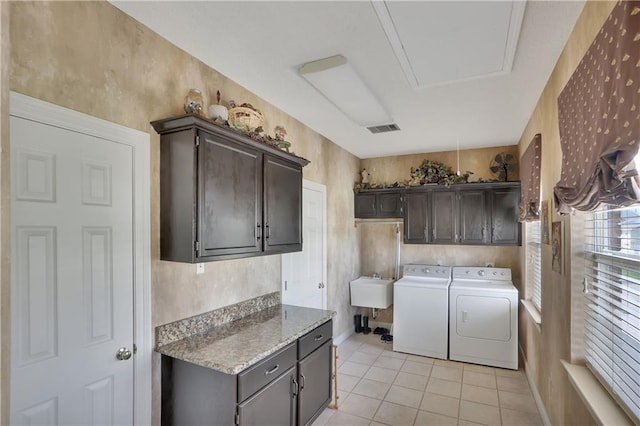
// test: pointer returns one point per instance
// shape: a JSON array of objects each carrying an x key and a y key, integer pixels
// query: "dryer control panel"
[
  {"x": 431, "y": 271},
  {"x": 480, "y": 273}
]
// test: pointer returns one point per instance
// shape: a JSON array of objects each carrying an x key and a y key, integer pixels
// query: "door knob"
[{"x": 123, "y": 354}]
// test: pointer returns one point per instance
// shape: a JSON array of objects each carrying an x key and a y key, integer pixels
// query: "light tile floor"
[{"x": 380, "y": 387}]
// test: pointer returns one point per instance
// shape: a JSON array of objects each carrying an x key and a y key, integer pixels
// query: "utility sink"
[{"x": 369, "y": 292}]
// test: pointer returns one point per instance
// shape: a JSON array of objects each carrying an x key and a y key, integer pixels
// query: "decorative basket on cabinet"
[{"x": 245, "y": 118}]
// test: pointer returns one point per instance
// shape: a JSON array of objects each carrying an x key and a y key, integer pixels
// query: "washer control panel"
[
  {"x": 434, "y": 271},
  {"x": 479, "y": 273}
]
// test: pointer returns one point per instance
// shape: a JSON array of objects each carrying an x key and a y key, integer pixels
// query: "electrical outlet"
[
  {"x": 489, "y": 265},
  {"x": 200, "y": 268}
]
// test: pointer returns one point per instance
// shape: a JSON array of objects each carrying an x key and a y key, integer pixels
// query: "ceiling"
[{"x": 449, "y": 73}]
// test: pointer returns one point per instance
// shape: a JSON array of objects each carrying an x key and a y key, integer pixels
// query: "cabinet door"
[
  {"x": 314, "y": 377},
  {"x": 505, "y": 228},
  {"x": 473, "y": 217},
  {"x": 282, "y": 206},
  {"x": 364, "y": 205},
  {"x": 416, "y": 229},
  {"x": 389, "y": 204},
  {"x": 229, "y": 198},
  {"x": 275, "y": 404},
  {"x": 444, "y": 217}
]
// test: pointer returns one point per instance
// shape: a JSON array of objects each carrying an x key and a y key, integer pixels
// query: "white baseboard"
[
  {"x": 344, "y": 336},
  {"x": 534, "y": 390}
]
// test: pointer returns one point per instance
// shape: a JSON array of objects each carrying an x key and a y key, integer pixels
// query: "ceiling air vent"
[{"x": 384, "y": 128}]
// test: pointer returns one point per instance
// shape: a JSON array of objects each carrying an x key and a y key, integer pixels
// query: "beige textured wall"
[
  {"x": 90, "y": 57},
  {"x": 545, "y": 348},
  {"x": 398, "y": 168},
  {"x": 5, "y": 241}
]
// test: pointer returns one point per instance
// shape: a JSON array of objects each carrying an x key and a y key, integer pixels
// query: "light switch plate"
[{"x": 200, "y": 268}]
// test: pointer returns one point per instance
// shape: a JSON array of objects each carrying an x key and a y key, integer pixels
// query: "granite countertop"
[{"x": 234, "y": 346}]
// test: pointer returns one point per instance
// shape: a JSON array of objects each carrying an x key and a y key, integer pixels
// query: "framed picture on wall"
[
  {"x": 556, "y": 247},
  {"x": 544, "y": 221}
]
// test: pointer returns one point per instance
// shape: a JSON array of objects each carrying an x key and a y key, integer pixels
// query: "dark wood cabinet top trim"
[
  {"x": 428, "y": 188},
  {"x": 186, "y": 121}
]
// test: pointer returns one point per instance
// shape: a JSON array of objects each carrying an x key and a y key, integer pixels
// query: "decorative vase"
[
  {"x": 193, "y": 102},
  {"x": 218, "y": 111}
]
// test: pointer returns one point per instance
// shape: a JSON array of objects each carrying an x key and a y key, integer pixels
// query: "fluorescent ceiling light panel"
[{"x": 334, "y": 78}]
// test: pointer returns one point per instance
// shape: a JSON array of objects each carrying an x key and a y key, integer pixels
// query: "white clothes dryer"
[
  {"x": 483, "y": 322},
  {"x": 421, "y": 310}
]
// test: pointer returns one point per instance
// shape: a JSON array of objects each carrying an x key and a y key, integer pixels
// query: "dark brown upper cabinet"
[
  {"x": 224, "y": 195},
  {"x": 416, "y": 217},
  {"x": 472, "y": 216},
  {"x": 466, "y": 214},
  {"x": 476, "y": 215},
  {"x": 375, "y": 203},
  {"x": 505, "y": 228},
  {"x": 444, "y": 217}
]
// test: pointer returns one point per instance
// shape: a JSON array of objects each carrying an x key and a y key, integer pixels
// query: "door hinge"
[
  {"x": 237, "y": 418},
  {"x": 285, "y": 286},
  {"x": 197, "y": 140},
  {"x": 196, "y": 246},
  {"x": 135, "y": 349}
]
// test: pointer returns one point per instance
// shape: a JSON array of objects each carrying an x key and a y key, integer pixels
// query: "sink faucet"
[{"x": 376, "y": 275}]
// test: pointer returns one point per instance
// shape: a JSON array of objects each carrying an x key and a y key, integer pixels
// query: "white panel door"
[
  {"x": 304, "y": 273},
  {"x": 72, "y": 277}
]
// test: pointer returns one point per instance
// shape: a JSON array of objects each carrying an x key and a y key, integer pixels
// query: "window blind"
[
  {"x": 534, "y": 264},
  {"x": 612, "y": 313}
]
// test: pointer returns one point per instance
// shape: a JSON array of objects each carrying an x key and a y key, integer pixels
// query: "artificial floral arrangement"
[{"x": 429, "y": 172}]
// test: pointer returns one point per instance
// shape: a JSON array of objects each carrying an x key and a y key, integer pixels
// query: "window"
[
  {"x": 612, "y": 304},
  {"x": 534, "y": 269}
]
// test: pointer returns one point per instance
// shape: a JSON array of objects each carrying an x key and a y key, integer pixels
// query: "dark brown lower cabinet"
[
  {"x": 315, "y": 385},
  {"x": 289, "y": 387},
  {"x": 275, "y": 404}
]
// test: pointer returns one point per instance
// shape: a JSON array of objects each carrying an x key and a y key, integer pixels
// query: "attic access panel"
[{"x": 439, "y": 42}]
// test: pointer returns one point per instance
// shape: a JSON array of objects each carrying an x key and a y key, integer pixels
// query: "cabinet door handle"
[
  {"x": 259, "y": 232},
  {"x": 318, "y": 338},
  {"x": 301, "y": 381},
  {"x": 294, "y": 392},
  {"x": 266, "y": 227},
  {"x": 272, "y": 370}
]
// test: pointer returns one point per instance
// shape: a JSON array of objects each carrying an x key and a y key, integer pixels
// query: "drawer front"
[
  {"x": 255, "y": 378},
  {"x": 314, "y": 339}
]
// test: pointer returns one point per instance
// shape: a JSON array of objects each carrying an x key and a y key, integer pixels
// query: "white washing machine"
[
  {"x": 421, "y": 310},
  {"x": 483, "y": 324}
]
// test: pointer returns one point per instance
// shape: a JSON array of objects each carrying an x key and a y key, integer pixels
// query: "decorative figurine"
[
  {"x": 217, "y": 111},
  {"x": 365, "y": 177},
  {"x": 280, "y": 133}
]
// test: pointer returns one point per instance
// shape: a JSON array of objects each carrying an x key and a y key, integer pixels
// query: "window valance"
[
  {"x": 599, "y": 118},
  {"x": 529, "y": 209}
]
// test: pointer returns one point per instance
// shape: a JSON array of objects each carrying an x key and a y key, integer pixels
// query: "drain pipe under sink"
[{"x": 374, "y": 311}]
